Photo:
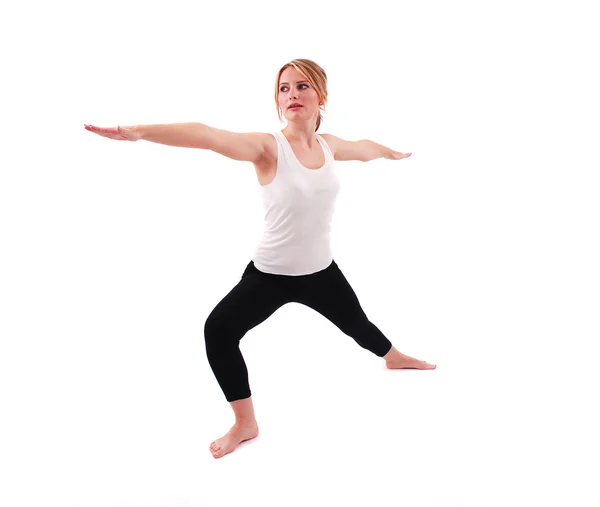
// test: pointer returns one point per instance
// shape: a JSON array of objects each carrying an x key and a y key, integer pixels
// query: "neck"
[{"x": 304, "y": 134}]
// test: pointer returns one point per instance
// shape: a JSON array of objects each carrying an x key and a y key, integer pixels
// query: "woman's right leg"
[
  {"x": 250, "y": 302},
  {"x": 256, "y": 297}
]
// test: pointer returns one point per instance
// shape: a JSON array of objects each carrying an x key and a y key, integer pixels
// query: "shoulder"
[
  {"x": 343, "y": 149},
  {"x": 332, "y": 141}
]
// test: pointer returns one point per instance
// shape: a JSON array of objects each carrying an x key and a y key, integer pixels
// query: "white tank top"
[{"x": 298, "y": 207}]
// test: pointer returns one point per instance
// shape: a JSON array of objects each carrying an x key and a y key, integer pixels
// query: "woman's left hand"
[{"x": 396, "y": 155}]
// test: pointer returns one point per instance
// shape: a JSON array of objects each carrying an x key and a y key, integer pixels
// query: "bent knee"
[
  {"x": 221, "y": 330},
  {"x": 214, "y": 326}
]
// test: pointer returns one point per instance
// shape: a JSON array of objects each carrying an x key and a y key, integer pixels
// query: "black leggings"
[{"x": 258, "y": 295}]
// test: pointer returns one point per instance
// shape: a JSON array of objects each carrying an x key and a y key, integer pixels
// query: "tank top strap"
[
  {"x": 284, "y": 147},
  {"x": 326, "y": 150}
]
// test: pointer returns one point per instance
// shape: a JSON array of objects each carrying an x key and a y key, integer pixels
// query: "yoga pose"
[{"x": 293, "y": 262}]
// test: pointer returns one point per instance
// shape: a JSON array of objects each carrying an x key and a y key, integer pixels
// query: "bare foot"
[
  {"x": 397, "y": 360},
  {"x": 232, "y": 439}
]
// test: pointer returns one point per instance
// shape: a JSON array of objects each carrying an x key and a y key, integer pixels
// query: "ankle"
[
  {"x": 392, "y": 354},
  {"x": 244, "y": 422}
]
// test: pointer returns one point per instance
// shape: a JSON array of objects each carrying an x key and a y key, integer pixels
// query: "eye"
[{"x": 301, "y": 84}]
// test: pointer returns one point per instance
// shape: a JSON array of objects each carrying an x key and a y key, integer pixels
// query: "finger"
[{"x": 104, "y": 131}]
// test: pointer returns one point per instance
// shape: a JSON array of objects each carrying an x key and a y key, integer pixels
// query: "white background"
[{"x": 479, "y": 253}]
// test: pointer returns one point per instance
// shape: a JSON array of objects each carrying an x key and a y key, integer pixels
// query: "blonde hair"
[{"x": 314, "y": 74}]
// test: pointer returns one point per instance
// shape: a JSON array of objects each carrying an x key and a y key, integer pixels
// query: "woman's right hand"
[{"x": 119, "y": 133}]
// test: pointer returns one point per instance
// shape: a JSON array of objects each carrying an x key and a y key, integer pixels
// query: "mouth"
[{"x": 295, "y": 107}]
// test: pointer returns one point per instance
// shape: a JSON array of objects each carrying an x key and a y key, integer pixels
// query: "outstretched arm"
[
  {"x": 247, "y": 146},
  {"x": 370, "y": 150},
  {"x": 363, "y": 150},
  {"x": 185, "y": 135}
]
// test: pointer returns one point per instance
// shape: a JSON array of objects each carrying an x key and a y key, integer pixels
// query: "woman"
[{"x": 293, "y": 262}]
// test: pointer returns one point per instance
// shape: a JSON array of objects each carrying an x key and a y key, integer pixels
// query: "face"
[{"x": 294, "y": 87}]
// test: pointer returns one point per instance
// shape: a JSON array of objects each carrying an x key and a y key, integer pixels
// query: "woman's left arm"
[
  {"x": 370, "y": 150},
  {"x": 363, "y": 150}
]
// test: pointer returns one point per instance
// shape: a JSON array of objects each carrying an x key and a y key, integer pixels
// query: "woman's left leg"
[{"x": 329, "y": 293}]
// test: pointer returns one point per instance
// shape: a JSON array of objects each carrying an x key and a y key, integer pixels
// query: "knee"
[
  {"x": 213, "y": 327},
  {"x": 220, "y": 333}
]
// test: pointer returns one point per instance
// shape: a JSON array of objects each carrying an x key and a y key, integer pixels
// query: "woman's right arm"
[
  {"x": 184, "y": 135},
  {"x": 249, "y": 146}
]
